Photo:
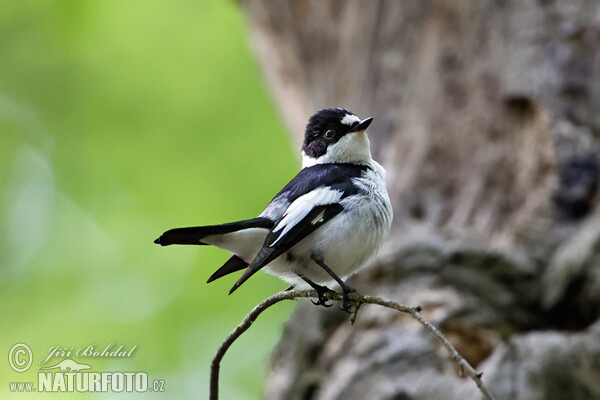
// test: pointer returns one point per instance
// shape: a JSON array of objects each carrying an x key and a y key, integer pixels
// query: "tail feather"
[
  {"x": 194, "y": 235},
  {"x": 265, "y": 256},
  {"x": 232, "y": 265}
]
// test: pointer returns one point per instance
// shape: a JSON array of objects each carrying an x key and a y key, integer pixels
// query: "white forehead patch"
[{"x": 350, "y": 119}]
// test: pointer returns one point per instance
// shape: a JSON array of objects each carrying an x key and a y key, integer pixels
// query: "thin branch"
[{"x": 358, "y": 299}]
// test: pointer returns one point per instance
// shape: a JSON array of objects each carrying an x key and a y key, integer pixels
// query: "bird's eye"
[{"x": 329, "y": 134}]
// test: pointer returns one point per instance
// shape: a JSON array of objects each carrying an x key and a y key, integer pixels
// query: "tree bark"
[{"x": 486, "y": 119}]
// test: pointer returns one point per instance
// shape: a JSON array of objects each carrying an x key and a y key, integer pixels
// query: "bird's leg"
[
  {"x": 321, "y": 290},
  {"x": 345, "y": 288}
]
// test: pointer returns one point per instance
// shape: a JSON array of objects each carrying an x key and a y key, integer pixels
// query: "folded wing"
[{"x": 304, "y": 215}]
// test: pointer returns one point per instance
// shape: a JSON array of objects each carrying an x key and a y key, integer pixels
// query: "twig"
[{"x": 358, "y": 299}]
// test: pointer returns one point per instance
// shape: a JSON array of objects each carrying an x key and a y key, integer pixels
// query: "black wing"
[
  {"x": 312, "y": 212},
  {"x": 276, "y": 243},
  {"x": 319, "y": 175}
]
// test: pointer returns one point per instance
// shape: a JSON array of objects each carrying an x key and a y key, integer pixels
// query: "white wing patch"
[
  {"x": 318, "y": 218},
  {"x": 350, "y": 119},
  {"x": 302, "y": 206}
]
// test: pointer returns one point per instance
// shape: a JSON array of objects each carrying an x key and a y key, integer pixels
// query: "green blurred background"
[{"x": 119, "y": 120}]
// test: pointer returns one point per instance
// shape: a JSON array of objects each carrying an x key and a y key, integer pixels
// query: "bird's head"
[{"x": 335, "y": 135}]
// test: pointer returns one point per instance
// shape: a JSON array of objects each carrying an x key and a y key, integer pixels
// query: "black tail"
[
  {"x": 233, "y": 264},
  {"x": 195, "y": 234}
]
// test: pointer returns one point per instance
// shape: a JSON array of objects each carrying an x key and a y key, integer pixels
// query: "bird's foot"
[
  {"x": 346, "y": 306},
  {"x": 322, "y": 295},
  {"x": 321, "y": 292}
]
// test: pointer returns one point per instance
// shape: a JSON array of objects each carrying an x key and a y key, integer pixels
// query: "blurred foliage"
[{"x": 118, "y": 121}]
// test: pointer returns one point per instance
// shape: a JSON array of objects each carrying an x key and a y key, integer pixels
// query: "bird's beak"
[{"x": 362, "y": 125}]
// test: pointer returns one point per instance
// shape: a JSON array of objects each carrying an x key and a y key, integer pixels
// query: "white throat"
[{"x": 352, "y": 148}]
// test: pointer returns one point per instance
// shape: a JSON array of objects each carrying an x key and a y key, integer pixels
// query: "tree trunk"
[{"x": 486, "y": 119}]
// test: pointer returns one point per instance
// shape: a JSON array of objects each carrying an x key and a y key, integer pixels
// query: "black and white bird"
[{"x": 323, "y": 226}]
